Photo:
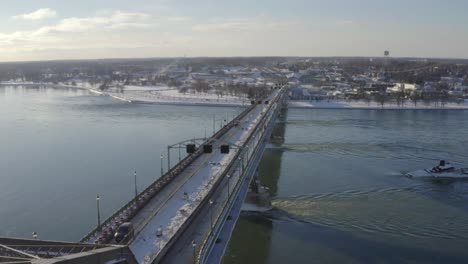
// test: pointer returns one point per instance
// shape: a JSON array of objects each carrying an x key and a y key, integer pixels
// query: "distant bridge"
[{"x": 188, "y": 214}]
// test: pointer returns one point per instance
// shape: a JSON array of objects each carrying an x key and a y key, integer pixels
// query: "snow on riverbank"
[
  {"x": 166, "y": 95},
  {"x": 342, "y": 104},
  {"x": 147, "y": 94}
]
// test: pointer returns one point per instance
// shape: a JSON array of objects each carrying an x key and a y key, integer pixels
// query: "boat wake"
[{"x": 392, "y": 212}]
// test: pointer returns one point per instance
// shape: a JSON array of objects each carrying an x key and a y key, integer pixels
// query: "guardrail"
[{"x": 130, "y": 209}]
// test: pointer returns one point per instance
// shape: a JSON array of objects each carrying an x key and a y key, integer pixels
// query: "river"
[
  {"x": 336, "y": 176},
  {"x": 59, "y": 148}
]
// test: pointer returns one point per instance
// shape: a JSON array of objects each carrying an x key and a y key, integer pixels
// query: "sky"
[{"x": 90, "y": 29}]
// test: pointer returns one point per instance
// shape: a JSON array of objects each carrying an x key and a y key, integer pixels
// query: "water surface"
[
  {"x": 59, "y": 148},
  {"x": 340, "y": 194}
]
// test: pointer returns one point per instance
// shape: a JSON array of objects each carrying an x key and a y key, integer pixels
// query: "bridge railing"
[
  {"x": 130, "y": 209},
  {"x": 209, "y": 240}
]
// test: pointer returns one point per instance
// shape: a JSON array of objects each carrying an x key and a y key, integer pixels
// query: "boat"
[{"x": 442, "y": 171}]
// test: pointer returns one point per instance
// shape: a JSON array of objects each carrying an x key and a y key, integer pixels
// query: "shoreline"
[
  {"x": 334, "y": 105},
  {"x": 358, "y": 105},
  {"x": 377, "y": 108}
]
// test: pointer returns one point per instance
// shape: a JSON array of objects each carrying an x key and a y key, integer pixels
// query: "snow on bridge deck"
[{"x": 169, "y": 209}]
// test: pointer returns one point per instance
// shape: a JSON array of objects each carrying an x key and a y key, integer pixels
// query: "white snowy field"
[
  {"x": 337, "y": 104},
  {"x": 159, "y": 94},
  {"x": 167, "y": 95}
]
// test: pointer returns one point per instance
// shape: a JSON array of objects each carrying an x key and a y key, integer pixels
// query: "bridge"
[{"x": 189, "y": 213}]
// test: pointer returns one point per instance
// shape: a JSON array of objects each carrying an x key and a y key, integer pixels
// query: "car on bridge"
[{"x": 124, "y": 233}]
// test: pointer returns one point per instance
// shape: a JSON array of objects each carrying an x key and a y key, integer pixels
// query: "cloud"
[
  {"x": 68, "y": 30},
  {"x": 39, "y": 14},
  {"x": 115, "y": 20}
]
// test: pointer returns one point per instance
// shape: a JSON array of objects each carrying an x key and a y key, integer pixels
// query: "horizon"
[
  {"x": 234, "y": 57},
  {"x": 52, "y": 30}
]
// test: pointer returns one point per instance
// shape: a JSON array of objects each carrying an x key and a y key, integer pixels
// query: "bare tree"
[
  {"x": 200, "y": 86},
  {"x": 381, "y": 98},
  {"x": 415, "y": 98}
]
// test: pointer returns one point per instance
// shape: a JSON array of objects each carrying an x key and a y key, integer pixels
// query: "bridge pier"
[{"x": 258, "y": 197}]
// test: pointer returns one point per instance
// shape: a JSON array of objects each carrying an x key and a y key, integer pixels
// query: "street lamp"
[
  {"x": 194, "y": 245},
  {"x": 136, "y": 190},
  {"x": 98, "y": 213},
  {"x": 211, "y": 212},
  {"x": 168, "y": 158},
  {"x": 179, "y": 153},
  {"x": 162, "y": 169},
  {"x": 228, "y": 178},
  {"x": 214, "y": 120}
]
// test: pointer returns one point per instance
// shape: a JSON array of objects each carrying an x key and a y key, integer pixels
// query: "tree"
[
  {"x": 415, "y": 98},
  {"x": 183, "y": 90},
  {"x": 400, "y": 97},
  {"x": 381, "y": 98},
  {"x": 367, "y": 99},
  {"x": 200, "y": 86},
  {"x": 104, "y": 85}
]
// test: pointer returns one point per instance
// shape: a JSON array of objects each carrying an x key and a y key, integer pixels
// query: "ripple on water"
[
  {"x": 402, "y": 212},
  {"x": 377, "y": 150}
]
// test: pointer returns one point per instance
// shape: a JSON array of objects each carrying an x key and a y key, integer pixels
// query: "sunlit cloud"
[
  {"x": 116, "y": 20},
  {"x": 39, "y": 14}
]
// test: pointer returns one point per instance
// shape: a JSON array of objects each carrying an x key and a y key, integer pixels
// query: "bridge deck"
[{"x": 169, "y": 209}]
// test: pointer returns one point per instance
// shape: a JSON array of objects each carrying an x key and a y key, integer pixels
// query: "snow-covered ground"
[
  {"x": 149, "y": 94},
  {"x": 333, "y": 104},
  {"x": 166, "y": 95}
]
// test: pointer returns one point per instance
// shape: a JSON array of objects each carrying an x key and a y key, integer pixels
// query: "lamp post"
[
  {"x": 162, "y": 169},
  {"x": 228, "y": 178},
  {"x": 214, "y": 118},
  {"x": 194, "y": 245},
  {"x": 221, "y": 123},
  {"x": 179, "y": 153},
  {"x": 98, "y": 212},
  {"x": 168, "y": 158},
  {"x": 211, "y": 212},
  {"x": 136, "y": 190}
]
